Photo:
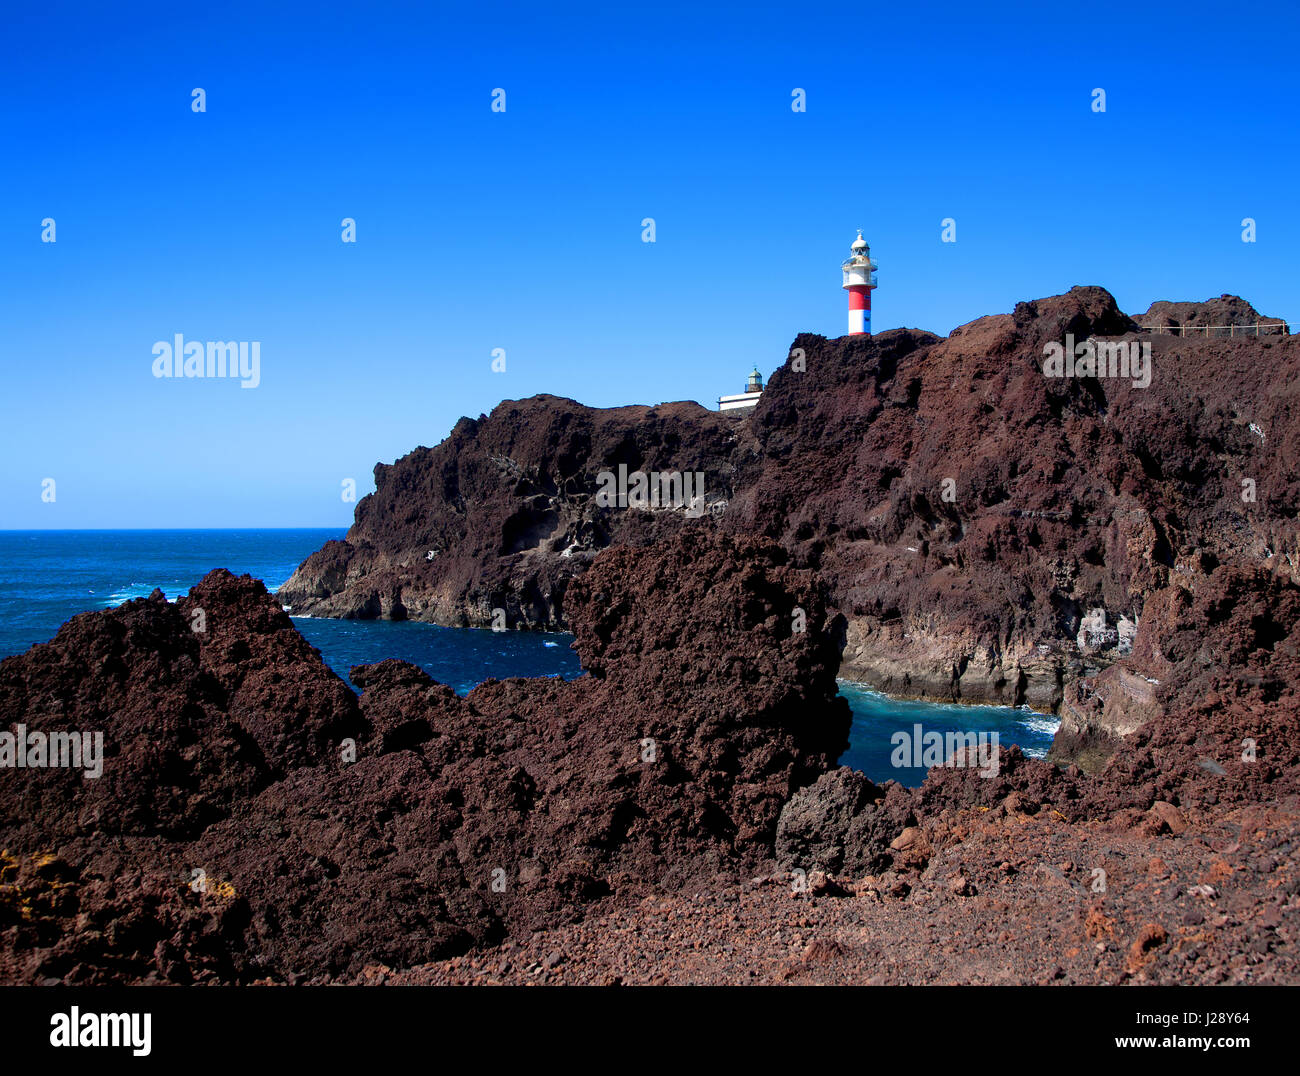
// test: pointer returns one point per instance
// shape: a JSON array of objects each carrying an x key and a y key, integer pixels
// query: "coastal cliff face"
[
  {"x": 1217, "y": 729},
  {"x": 1217, "y": 649},
  {"x": 965, "y": 511},
  {"x": 503, "y": 514}
]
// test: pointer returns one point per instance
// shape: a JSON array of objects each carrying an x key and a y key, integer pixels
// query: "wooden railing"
[{"x": 1259, "y": 328}]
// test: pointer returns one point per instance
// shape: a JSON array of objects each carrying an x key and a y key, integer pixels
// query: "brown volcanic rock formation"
[
  {"x": 1066, "y": 494},
  {"x": 94, "y": 873},
  {"x": 671, "y": 761},
  {"x": 1225, "y": 316},
  {"x": 1224, "y": 734},
  {"x": 1174, "y": 864},
  {"x": 964, "y": 509},
  {"x": 191, "y": 720},
  {"x": 1217, "y": 641},
  {"x": 1228, "y": 670},
  {"x": 459, "y": 822},
  {"x": 505, "y": 504}
]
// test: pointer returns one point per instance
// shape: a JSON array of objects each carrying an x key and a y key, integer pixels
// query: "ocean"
[{"x": 48, "y": 576}]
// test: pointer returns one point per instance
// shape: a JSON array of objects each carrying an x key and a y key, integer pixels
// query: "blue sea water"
[
  {"x": 877, "y": 717},
  {"x": 48, "y": 576}
]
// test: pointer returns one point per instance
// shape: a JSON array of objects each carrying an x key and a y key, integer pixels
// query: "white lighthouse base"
[{"x": 741, "y": 399}]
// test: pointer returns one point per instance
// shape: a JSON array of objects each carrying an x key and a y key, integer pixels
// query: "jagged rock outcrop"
[
  {"x": 842, "y": 823},
  {"x": 1218, "y": 730},
  {"x": 966, "y": 510},
  {"x": 190, "y": 720},
  {"x": 1228, "y": 315},
  {"x": 502, "y": 514},
  {"x": 1099, "y": 711},
  {"x": 255, "y": 821},
  {"x": 1217, "y": 656}
]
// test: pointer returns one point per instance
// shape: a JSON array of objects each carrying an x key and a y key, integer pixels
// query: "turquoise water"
[
  {"x": 48, "y": 576},
  {"x": 877, "y": 718}
]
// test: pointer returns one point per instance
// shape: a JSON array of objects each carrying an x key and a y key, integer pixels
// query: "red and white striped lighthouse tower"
[{"x": 859, "y": 280}]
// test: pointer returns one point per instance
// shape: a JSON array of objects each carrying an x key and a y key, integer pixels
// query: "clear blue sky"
[{"x": 522, "y": 230}]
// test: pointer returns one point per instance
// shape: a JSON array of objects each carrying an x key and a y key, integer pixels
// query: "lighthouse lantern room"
[{"x": 859, "y": 280}]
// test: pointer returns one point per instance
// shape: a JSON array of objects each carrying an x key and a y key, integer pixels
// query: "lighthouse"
[
  {"x": 748, "y": 398},
  {"x": 859, "y": 280}
]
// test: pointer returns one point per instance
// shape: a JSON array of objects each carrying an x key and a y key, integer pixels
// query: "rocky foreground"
[
  {"x": 674, "y": 816},
  {"x": 677, "y": 815},
  {"x": 255, "y": 819}
]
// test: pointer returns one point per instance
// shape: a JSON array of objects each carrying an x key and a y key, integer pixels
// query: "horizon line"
[{"x": 82, "y": 530}]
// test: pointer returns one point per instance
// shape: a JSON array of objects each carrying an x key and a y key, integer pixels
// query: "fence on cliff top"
[{"x": 1259, "y": 328}]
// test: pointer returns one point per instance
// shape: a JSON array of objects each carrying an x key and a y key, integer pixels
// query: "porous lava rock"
[{"x": 256, "y": 821}]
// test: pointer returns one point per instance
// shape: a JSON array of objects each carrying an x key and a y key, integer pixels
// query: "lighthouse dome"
[{"x": 859, "y": 244}]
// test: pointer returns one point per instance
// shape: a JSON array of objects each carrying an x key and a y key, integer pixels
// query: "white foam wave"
[
  {"x": 130, "y": 592},
  {"x": 1041, "y": 724}
]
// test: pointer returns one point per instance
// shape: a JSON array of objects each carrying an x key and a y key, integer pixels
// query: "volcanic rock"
[
  {"x": 253, "y": 821},
  {"x": 502, "y": 514},
  {"x": 199, "y": 703},
  {"x": 964, "y": 510},
  {"x": 839, "y": 823},
  {"x": 1223, "y": 316}
]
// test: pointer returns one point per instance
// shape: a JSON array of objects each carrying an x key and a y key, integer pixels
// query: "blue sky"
[{"x": 522, "y": 230}]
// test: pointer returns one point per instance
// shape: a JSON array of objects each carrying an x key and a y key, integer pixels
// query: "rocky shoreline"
[
  {"x": 966, "y": 512},
  {"x": 674, "y": 816}
]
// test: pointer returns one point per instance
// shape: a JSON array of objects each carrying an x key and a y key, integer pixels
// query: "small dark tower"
[{"x": 755, "y": 382}]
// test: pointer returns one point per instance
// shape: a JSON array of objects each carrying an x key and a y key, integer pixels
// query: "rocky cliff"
[
  {"x": 965, "y": 510},
  {"x": 502, "y": 514}
]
